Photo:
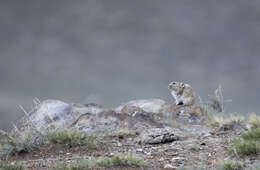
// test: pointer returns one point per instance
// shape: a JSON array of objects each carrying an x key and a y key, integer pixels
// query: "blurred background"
[{"x": 109, "y": 52}]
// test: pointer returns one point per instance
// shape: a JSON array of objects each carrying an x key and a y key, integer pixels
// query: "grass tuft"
[
  {"x": 226, "y": 123},
  {"x": 73, "y": 138},
  {"x": 191, "y": 168},
  {"x": 231, "y": 165},
  {"x": 121, "y": 133},
  {"x": 253, "y": 134},
  {"x": 194, "y": 148},
  {"x": 11, "y": 144},
  {"x": 254, "y": 121},
  {"x": 247, "y": 144},
  {"x": 8, "y": 166},
  {"x": 115, "y": 161}
]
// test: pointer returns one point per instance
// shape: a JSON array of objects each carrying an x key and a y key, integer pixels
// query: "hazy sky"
[{"x": 115, "y": 51}]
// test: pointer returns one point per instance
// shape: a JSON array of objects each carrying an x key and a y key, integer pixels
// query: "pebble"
[
  {"x": 111, "y": 154},
  {"x": 139, "y": 150},
  {"x": 169, "y": 166},
  {"x": 161, "y": 159},
  {"x": 178, "y": 160},
  {"x": 206, "y": 135}
]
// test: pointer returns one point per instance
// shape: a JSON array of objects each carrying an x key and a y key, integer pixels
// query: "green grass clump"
[
  {"x": 245, "y": 147},
  {"x": 8, "y": 166},
  {"x": 115, "y": 161},
  {"x": 121, "y": 133},
  {"x": 254, "y": 121},
  {"x": 226, "y": 122},
  {"x": 253, "y": 134},
  {"x": 231, "y": 165},
  {"x": 191, "y": 168},
  {"x": 247, "y": 144},
  {"x": 11, "y": 144},
  {"x": 121, "y": 160},
  {"x": 73, "y": 138},
  {"x": 194, "y": 148}
]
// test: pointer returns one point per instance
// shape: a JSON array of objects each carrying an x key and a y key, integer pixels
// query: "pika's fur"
[{"x": 182, "y": 93}]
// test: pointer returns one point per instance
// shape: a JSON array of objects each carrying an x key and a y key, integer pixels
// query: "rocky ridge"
[{"x": 165, "y": 135}]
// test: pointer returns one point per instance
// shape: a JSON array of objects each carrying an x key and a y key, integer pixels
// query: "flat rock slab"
[
  {"x": 148, "y": 105},
  {"x": 160, "y": 135}
]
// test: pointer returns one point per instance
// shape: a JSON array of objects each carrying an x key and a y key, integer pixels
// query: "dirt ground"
[{"x": 197, "y": 150}]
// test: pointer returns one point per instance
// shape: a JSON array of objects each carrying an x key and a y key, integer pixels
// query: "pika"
[{"x": 182, "y": 93}]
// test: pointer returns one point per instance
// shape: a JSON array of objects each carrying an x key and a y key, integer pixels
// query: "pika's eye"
[
  {"x": 174, "y": 83},
  {"x": 182, "y": 84}
]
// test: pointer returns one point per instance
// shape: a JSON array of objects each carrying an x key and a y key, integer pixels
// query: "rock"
[
  {"x": 169, "y": 166},
  {"x": 148, "y": 105},
  {"x": 92, "y": 123},
  {"x": 110, "y": 121},
  {"x": 206, "y": 136},
  {"x": 179, "y": 160},
  {"x": 131, "y": 110},
  {"x": 140, "y": 150},
  {"x": 160, "y": 135},
  {"x": 87, "y": 108},
  {"x": 119, "y": 144},
  {"x": 51, "y": 113}
]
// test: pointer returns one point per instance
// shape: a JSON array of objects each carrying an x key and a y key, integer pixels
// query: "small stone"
[
  {"x": 177, "y": 159},
  {"x": 169, "y": 166},
  {"x": 161, "y": 159},
  {"x": 119, "y": 144},
  {"x": 111, "y": 154},
  {"x": 139, "y": 150},
  {"x": 205, "y": 136}
]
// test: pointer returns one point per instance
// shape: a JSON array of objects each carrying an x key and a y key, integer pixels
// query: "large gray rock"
[
  {"x": 148, "y": 105},
  {"x": 160, "y": 135},
  {"x": 92, "y": 108},
  {"x": 109, "y": 120},
  {"x": 51, "y": 113}
]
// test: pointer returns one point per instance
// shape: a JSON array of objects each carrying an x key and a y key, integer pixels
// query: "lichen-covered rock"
[
  {"x": 160, "y": 135},
  {"x": 51, "y": 112},
  {"x": 109, "y": 120},
  {"x": 148, "y": 105},
  {"x": 146, "y": 117},
  {"x": 79, "y": 109}
]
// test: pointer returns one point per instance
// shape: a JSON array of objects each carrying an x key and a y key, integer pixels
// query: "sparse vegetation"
[
  {"x": 216, "y": 102},
  {"x": 191, "y": 168},
  {"x": 254, "y": 121},
  {"x": 226, "y": 122},
  {"x": 123, "y": 140},
  {"x": 11, "y": 144},
  {"x": 253, "y": 134},
  {"x": 214, "y": 108},
  {"x": 8, "y": 166},
  {"x": 117, "y": 160},
  {"x": 247, "y": 144},
  {"x": 121, "y": 133},
  {"x": 231, "y": 165},
  {"x": 194, "y": 148},
  {"x": 73, "y": 138}
]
